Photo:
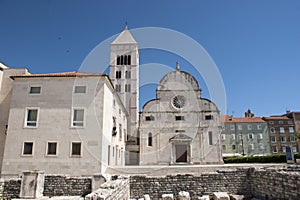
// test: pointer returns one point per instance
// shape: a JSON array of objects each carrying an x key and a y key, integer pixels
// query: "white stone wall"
[{"x": 56, "y": 103}]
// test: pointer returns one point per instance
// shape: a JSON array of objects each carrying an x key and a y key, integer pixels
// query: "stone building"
[
  {"x": 6, "y": 86},
  {"x": 179, "y": 127},
  {"x": 65, "y": 123},
  {"x": 282, "y": 133},
  {"x": 244, "y": 136}
]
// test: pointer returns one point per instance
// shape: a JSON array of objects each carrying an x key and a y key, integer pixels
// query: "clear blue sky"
[{"x": 254, "y": 43}]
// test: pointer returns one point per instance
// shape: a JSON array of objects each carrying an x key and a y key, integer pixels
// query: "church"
[{"x": 80, "y": 123}]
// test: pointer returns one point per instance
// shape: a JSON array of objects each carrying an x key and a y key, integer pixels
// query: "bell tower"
[{"x": 124, "y": 74}]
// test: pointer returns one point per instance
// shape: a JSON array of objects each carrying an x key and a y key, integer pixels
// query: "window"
[
  {"x": 249, "y": 126},
  {"x": 124, "y": 60},
  {"x": 224, "y": 147},
  {"x": 251, "y": 146},
  {"x": 258, "y": 126},
  {"x": 282, "y": 138},
  {"x": 259, "y": 136},
  {"x": 232, "y": 127},
  {"x": 114, "y": 130},
  {"x": 281, "y": 129},
  {"x": 31, "y": 117},
  {"x": 272, "y": 130},
  {"x": 35, "y": 90},
  {"x": 127, "y": 74},
  {"x": 240, "y": 127},
  {"x": 76, "y": 149},
  {"x": 118, "y": 88},
  {"x": 250, "y": 136},
  {"x": 274, "y": 149},
  {"x": 80, "y": 89},
  {"x": 28, "y": 148},
  {"x": 150, "y": 139},
  {"x": 78, "y": 117},
  {"x": 118, "y": 74},
  {"x": 292, "y": 138},
  {"x": 209, "y": 117},
  {"x": 233, "y": 136},
  {"x": 291, "y": 129},
  {"x": 261, "y": 146},
  {"x": 280, "y": 122},
  {"x": 283, "y": 149},
  {"x": 51, "y": 148},
  {"x": 127, "y": 87},
  {"x": 179, "y": 118},
  {"x": 294, "y": 149},
  {"x": 273, "y": 139},
  {"x": 233, "y": 147},
  {"x": 223, "y": 136},
  {"x": 271, "y": 122},
  {"x": 210, "y": 138},
  {"x": 290, "y": 122},
  {"x": 120, "y": 132},
  {"x": 149, "y": 118}
]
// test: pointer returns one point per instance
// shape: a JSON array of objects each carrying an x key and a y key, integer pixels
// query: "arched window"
[
  {"x": 125, "y": 60},
  {"x": 129, "y": 60},
  {"x": 122, "y": 60},
  {"x": 118, "y": 60},
  {"x": 150, "y": 139}
]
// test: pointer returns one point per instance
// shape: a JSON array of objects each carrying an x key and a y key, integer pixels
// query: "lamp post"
[{"x": 241, "y": 138}]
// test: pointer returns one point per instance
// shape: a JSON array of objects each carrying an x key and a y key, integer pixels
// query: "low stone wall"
[
  {"x": 57, "y": 185},
  {"x": 235, "y": 181},
  {"x": 111, "y": 190},
  {"x": 9, "y": 188}
]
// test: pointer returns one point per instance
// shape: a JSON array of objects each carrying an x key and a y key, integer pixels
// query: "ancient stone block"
[
  {"x": 167, "y": 197},
  {"x": 183, "y": 195},
  {"x": 32, "y": 185},
  {"x": 221, "y": 196}
]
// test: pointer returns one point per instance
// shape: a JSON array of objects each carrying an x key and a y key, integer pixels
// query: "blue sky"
[{"x": 254, "y": 43}]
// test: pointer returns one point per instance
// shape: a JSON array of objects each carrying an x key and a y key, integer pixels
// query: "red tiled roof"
[
  {"x": 228, "y": 119},
  {"x": 276, "y": 118},
  {"x": 62, "y": 74}
]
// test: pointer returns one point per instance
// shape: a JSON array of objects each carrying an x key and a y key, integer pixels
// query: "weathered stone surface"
[
  {"x": 220, "y": 196},
  {"x": 183, "y": 195},
  {"x": 236, "y": 197},
  {"x": 167, "y": 196},
  {"x": 147, "y": 197},
  {"x": 32, "y": 184},
  {"x": 204, "y": 197}
]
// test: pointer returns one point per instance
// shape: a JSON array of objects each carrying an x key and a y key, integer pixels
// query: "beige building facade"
[
  {"x": 67, "y": 123},
  {"x": 179, "y": 127}
]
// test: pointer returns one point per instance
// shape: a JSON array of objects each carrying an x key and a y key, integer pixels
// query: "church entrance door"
[{"x": 181, "y": 153}]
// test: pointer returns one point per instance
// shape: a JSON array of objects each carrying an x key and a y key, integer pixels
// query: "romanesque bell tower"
[{"x": 124, "y": 74}]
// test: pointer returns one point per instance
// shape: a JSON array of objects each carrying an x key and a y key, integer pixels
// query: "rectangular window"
[
  {"x": 258, "y": 126},
  {"x": 210, "y": 138},
  {"x": 80, "y": 89},
  {"x": 120, "y": 132},
  {"x": 272, "y": 130},
  {"x": 250, "y": 136},
  {"x": 291, "y": 129},
  {"x": 128, "y": 74},
  {"x": 223, "y": 136},
  {"x": 76, "y": 149},
  {"x": 271, "y": 122},
  {"x": 209, "y": 117},
  {"x": 232, "y": 127},
  {"x": 281, "y": 129},
  {"x": 261, "y": 146},
  {"x": 51, "y": 148},
  {"x": 259, "y": 136},
  {"x": 31, "y": 117},
  {"x": 35, "y": 90},
  {"x": 127, "y": 87},
  {"x": 118, "y": 88},
  {"x": 280, "y": 122},
  {"x": 282, "y": 138},
  {"x": 78, "y": 117},
  {"x": 28, "y": 148},
  {"x": 179, "y": 118},
  {"x": 283, "y": 149},
  {"x": 233, "y": 147},
  {"x": 118, "y": 74},
  {"x": 233, "y": 136},
  {"x": 294, "y": 149},
  {"x": 273, "y": 139},
  {"x": 251, "y": 146},
  {"x": 292, "y": 138},
  {"x": 274, "y": 149},
  {"x": 290, "y": 122},
  {"x": 149, "y": 118},
  {"x": 249, "y": 126},
  {"x": 240, "y": 127}
]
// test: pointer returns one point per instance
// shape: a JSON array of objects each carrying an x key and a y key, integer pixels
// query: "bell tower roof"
[{"x": 125, "y": 37}]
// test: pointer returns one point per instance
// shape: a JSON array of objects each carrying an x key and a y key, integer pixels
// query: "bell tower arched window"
[
  {"x": 124, "y": 60},
  {"x": 150, "y": 139}
]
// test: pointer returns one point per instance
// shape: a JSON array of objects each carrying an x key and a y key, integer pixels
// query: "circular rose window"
[{"x": 178, "y": 101}]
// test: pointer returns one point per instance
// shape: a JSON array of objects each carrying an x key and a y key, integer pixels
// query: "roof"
[
  {"x": 229, "y": 119},
  {"x": 276, "y": 118},
  {"x": 3, "y": 66},
  {"x": 62, "y": 74},
  {"x": 125, "y": 37}
]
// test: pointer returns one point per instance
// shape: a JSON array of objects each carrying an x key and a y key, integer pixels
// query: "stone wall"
[
  {"x": 263, "y": 183},
  {"x": 9, "y": 189},
  {"x": 234, "y": 181},
  {"x": 111, "y": 190},
  {"x": 57, "y": 185}
]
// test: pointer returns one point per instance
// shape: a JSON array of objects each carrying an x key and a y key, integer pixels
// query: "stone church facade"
[{"x": 80, "y": 123}]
